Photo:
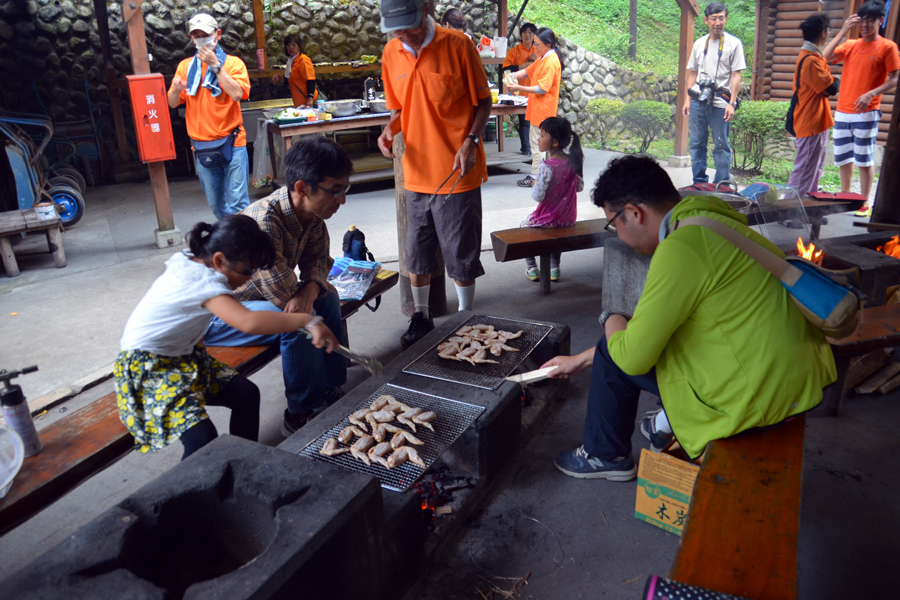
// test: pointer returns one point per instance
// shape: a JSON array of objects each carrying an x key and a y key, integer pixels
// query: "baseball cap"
[
  {"x": 204, "y": 22},
  {"x": 401, "y": 14}
]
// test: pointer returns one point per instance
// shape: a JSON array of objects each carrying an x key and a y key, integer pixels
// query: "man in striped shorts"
[{"x": 871, "y": 65}]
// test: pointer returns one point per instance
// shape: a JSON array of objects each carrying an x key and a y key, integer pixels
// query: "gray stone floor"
[{"x": 577, "y": 538}]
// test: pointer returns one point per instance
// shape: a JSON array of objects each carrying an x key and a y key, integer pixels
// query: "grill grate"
[
  {"x": 453, "y": 418},
  {"x": 486, "y": 376}
]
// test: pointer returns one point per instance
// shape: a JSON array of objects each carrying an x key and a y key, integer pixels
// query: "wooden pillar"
[
  {"x": 689, "y": 10},
  {"x": 632, "y": 29},
  {"x": 887, "y": 195},
  {"x": 437, "y": 297},
  {"x": 259, "y": 25},
  {"x": 167, "y": 234}
]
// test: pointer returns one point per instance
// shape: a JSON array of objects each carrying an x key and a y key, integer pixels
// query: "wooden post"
[
  {"x": 259, "y": 25},
  {"x": 502, "y": 31},
  {"x": 632, "y": 29},
  {"x": 110, "y": 75},
  {"x": 437, "y": 297},
  {"x": 689, "y": 10},
  {"x": 887, "y": 194},
  {"x": 167, "y": 234}
]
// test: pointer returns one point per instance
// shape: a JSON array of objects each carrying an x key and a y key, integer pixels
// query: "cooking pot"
[
  {"x": 341, "y": 108},
  {"x": 738, "y": 203},
  {"x": 378, "y": 106}
]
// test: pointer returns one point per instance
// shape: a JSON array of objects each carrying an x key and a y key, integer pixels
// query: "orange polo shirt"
[
  {"x": 302, "y": 70},
  {"x": 544, "y": 73},
  {"x": 211, "y": 118},
  {"x": 436, "y": 94},
  {"x": 518, "y": 56},
  {"x": 866, "y": 66}
]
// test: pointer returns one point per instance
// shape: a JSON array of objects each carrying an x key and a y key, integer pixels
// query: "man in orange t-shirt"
[
  {"x": 544, "y": 74},
  {"x": 871, "y": 67},
  {"x": 517, "y": 58},
  {"x": 437, "y": 91},
  {"x": 211, "y": 85}
]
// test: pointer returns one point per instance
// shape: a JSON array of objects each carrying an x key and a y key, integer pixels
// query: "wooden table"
[{"x": 26, "y": 221}]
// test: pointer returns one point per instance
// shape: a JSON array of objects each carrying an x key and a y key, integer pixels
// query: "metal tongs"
[
  {"x": 370, "y": 364},
  {"x": 445, "y": 183}
]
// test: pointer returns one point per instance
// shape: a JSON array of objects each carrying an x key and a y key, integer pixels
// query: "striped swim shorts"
[{"x": 854, "y": 137}]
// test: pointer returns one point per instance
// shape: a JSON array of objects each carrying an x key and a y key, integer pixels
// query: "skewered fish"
[
  {"x": 331, "y": 448},
  {"x": 360, "y": 447}
]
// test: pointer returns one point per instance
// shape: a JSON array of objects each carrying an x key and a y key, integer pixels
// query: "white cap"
[{"x": 204, "y": 22}]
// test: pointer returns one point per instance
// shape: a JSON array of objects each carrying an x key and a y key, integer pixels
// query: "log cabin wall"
[{"x": 779, "y": 41}]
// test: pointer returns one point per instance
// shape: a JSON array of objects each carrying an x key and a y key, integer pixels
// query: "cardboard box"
[{"x": 664, "y": 490}]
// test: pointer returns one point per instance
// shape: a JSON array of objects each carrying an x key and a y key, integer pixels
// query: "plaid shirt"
[{"x": 297, "y": 244}]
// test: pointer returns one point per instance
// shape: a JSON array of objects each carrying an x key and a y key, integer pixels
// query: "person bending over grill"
[{"x": 714, "y": 334}]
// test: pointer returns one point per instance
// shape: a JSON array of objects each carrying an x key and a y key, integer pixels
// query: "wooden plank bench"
[
  {"x": 15, "y": 222},
  {"x": 92, "y": 438},
  {"x": 526, "y": 242},
  {"x": 743, "y": 524}
]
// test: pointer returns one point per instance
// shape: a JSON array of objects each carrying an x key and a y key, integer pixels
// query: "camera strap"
[{"x": 718, "y": 59}]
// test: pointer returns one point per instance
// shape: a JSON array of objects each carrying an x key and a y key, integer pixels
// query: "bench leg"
[
  {"x": 9, "y": 259},
  {"x": 54, "y": 240},
  {"x": 545, "y": 274},
  {"x": 833, "y": 395}
]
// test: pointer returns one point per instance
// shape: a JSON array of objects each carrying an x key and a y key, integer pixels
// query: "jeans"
[
  {"x": 308, "y": 371},
  {"x": 612, "y": 406},
  {"x": 524, "y": 138},
  {"x": 226, "y": 187},
  {"x": 703, "y": 119}
]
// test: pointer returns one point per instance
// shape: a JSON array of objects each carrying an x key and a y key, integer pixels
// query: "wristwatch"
[
  {"x": 606, "y": 314},
  {"x": 475, "y": 139},
  {"x": 215, "y": 69}
]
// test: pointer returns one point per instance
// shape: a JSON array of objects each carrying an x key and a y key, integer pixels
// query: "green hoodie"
[{"x": 731, "y": 350}]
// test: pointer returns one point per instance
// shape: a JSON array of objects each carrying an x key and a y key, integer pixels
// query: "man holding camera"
[{"x": 713, "y": 81}]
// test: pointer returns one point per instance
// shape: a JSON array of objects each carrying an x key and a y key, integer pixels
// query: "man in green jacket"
[{"x": 714, "y": 334}]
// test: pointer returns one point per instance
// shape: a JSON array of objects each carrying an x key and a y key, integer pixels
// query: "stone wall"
[{"x": 50, "y": 48}]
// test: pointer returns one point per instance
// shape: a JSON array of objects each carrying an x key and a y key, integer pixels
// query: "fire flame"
[
  {"x": 891, "y": 248},
  {"x": 809, "y": 253}
]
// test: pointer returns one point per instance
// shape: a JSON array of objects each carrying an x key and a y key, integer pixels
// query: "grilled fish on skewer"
[
  {"x": 399, "y": 457},
  {"x": 331, "y": 448},
  {"x": 413, "y": 456},
  {"x": 377, "y": 453},
  {"x": 360, "y": 447}
]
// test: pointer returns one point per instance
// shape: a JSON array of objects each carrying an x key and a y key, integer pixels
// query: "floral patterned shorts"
[{"x": 161, "y": 397}]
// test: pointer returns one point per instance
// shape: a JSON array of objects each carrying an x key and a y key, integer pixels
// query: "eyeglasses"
[
  {"x": 333, "y": 193},
  {"x": 717, "y": 19},
  {"x": 609, "y": 224}
]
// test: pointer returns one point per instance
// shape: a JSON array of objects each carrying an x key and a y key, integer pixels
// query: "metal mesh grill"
[
  {"x": 487, "y": 376},
  {"x": 453, "y": 418}
]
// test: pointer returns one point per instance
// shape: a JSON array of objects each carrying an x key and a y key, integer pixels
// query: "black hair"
[
  {"x": 635, "y": 178},
  {"x": 714, "y": 8},
  {"x": 546, "y": 35},
  {"x": 238, "y": 237},
  {"x": 528, "y": 27},
  {"x": 296, "y": 39},
  {"x": 873, "y": 9},
  {"x": 455, "y": 19},
  {"x": 314, "y": 159},
  {"x": 813, "y": 26},
  {"x": 560, "y": 130}
]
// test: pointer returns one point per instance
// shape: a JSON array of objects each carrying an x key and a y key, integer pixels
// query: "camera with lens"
[{"x": 707, "y": 90}]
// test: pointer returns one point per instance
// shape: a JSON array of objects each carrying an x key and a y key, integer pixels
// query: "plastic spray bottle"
[{"x": 15, "y": 410}]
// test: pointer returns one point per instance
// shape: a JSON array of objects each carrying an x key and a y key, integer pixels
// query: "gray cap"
[
  {"x": 401, "y": 14},
  {"x": 204, "y": 22}
]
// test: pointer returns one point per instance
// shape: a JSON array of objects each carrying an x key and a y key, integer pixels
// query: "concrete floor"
[{"x": 577, "y": 538}]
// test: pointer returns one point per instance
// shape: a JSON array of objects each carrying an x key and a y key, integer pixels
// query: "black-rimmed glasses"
[
  {"x": 332, "y": 193},
  {"x": 609, "y": 224}
]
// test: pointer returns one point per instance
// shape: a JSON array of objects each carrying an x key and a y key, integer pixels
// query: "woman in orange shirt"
[
  {"x": 520, "y": 57},
  {"x": 543, "y": 103},
  {"x": 300, "y": 74}
]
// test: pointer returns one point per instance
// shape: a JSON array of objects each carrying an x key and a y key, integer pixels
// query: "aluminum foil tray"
[
  {"x": 453, "y": 418},
  {"x": 486, "y": 376}
]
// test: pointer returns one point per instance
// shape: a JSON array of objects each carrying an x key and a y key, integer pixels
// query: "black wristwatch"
[
  {"x": 606, "y": 314},
  {"x": 475, "y": 139},
  {"x": 215, "y": 69}
]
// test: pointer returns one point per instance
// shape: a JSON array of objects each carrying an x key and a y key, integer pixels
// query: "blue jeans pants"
[
  {"x": 612, "y": 406},
  {"x": 308, "y": 371},
  {"x": 226, "y": 187},
  {"x": 703, "y": 120}
]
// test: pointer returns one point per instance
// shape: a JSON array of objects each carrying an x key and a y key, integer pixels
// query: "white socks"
[
  {"x": 420, "y": 299},
  {"x": 466, "y": 296},
  {"x": 662, "y": 422}
]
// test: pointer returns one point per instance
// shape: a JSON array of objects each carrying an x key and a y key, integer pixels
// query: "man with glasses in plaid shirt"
[{"x": 317, "y": 172}]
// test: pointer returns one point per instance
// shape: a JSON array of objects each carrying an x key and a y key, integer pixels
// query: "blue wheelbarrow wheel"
[{"x": 69, "y": 204}]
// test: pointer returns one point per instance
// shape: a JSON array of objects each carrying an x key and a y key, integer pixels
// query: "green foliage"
[
  {"x": 607, "y": 112},
  {"x": 754, "y": 125},
  {"x": 646, "y": 119}
]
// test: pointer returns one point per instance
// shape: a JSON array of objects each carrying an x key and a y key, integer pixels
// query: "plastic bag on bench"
[{"x": 352, "y": 278}]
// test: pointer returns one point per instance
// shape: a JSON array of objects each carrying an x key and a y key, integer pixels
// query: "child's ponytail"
[
  {"x": 198, "y": 239},
  {"x": 238, "y": 237},
  {"x": 576, "y": 155}
]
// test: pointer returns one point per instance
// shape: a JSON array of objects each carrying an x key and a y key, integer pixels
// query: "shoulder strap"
[
  {"x": 800, "y": 68},
  {"x": 774, "y": 264}
]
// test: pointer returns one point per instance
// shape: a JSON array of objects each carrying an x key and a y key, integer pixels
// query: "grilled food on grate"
[{"x": 472, "y": 343}]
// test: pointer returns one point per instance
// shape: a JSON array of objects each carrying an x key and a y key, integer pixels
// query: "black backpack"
[{"x": 354, "y": 248}]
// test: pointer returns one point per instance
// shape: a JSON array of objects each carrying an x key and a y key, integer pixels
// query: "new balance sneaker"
[
  {"x": 533, "y": 274},
  {"x": 554, "y": 274},
  {"x": 578, "y": 463},
  {"x": 658, "y": 439},
  {"x": 865, "y": 211},
  {"x": 293, "y": 422},
  {"x": 527, "y": 182},
  {"x": 419, "y": 326}
]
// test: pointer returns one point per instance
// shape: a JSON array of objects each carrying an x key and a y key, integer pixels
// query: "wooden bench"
[
  {"x": 91, "y": 438},
  {"x": 16, "y": 222},
  {"x": 526, "y": 242},
  {"x": 742, "y": 527}
]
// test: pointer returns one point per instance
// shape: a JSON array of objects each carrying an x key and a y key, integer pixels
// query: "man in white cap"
[
  {"x": 437, "y": 90},
  {"x": 212, "y": 85}
]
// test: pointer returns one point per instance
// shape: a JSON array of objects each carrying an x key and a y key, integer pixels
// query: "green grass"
[{"x": 601, "y": 26}]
